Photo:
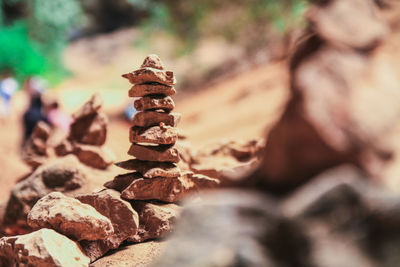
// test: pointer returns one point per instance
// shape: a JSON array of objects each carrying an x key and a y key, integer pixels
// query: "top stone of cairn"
[{"x": 152, "y": 61}]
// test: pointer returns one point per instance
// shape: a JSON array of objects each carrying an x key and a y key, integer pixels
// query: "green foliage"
[
  {"x": 33, "y": 44},
  {"x": 249, "y": 22}
]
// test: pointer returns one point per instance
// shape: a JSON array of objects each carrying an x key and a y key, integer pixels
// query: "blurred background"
[{"x": 220, "y": 51}]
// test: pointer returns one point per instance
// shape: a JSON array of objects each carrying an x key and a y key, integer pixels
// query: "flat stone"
[
  {"x": 122, "y": 181},
  {"x": 151, "y": 169},
  {"x": 93, "y": 156},
  {"x": 154, "y": 135},
  {"x": 124, "y": 219},
  {"x": 90, "y": 129},
  {"x": 154, "y": 102},
  {"x": 156, "y": 220},
  {"x": 153, "y": 118},
  {"x": 69, "y": 217},
  {"x": 152, "y": 61},
  {"x": 44, "y": 248},
  {"x": 150, "y": 75},
  {"x": 168, "y": 189},
  {"x": 139, "y": 90},
  {"x": 154, "y": 153},
  {"x": 92, "y": 106}
]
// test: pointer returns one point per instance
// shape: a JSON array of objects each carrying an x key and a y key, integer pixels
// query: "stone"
[
  {"x": 154, "y": 102},
  {"x": 168, "y": 189},
  {"x": 140, "y": 90},
  {"x": 150, "y": 75},
  {"x": 122, "y": 181},
  {"x": 69, "y": 217},
  {"x": 44, "y": 248},
  {"x": 165, "y": 135},
  {"x": 65, "y": 147},
  {"x": 90, "y": 129},
  {"x": 151, "y": 169},
  {"x": 152, "y": 61},
  {"x": 156, "y": 220},
  {"x": 42, "y": 131},
  {"x": 154, "y": 153},
  {"x": 93, "y": 156},
  {"x": 353, "y": 23},
  {"x": 123, "y": 218},
  {"x": 89, "y": 108},
  {"x": 66, "y": 175},
  {"x": 153, "y": 118}
]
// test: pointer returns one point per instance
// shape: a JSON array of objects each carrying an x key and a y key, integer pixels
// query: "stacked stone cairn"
[{"x": 155, "y": 183}]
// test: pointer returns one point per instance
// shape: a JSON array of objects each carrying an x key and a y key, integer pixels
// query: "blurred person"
[
  {"x": 8, "y": 87},
  {"x": 56, "y": 116},
  {"x": 35, "y": 112}
]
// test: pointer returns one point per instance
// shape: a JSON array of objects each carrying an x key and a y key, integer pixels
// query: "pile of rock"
[
  {"x": 87, "y": 136},
  {"x": 154, "y": 176},
  {"x": 35, "y": 151}
]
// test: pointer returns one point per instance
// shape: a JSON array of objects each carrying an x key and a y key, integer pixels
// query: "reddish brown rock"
[
  {"x": 123, "y": 218},
  {"x": 96, "y": 157},
  {"x": 151, "y": 169},
  {"x": 165, "y": 135},
  {"x": 44, "y": 248},
  {"x": 64, "y": 148},
  {"x": 154, "y": 102},
  {"x": 150, "y": 75},
  {"x": 154, "y": 153},
  {"x": 139, "y": 90},
  {"x": 90, "y": 107},
  {"x": 156, "y": 220},
  {"x": 122, "y": 181},
  {"x": 152, "y": 61},
  {"x": 153, "y": 118},
  {"x": 35, "y": 152},
  {"x": 90, "y": 129},
  {"x": 168, "y": 189},
  {"x": 69, "y": 217}
]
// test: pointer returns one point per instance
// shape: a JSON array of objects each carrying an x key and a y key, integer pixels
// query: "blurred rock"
[
  {"x": 35, "y": 151},
  {"x": 345, "y": 98},
  {"x": 151, "y": 75},
  {"x": 168, "y": 189},
  {"x": 156, "y": 220},
  {"x": 66, "y": 175},
  {"x": 69, "y": 217},
  {"x": 44, "y": 248},
  {"x": 124, "y": 219},
  {"x": 94, "y": 156}
]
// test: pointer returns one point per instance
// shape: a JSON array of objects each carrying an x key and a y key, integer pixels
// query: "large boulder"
[
  {"x": 44, "y": 248},
  {"x": 69, "y": 217}
]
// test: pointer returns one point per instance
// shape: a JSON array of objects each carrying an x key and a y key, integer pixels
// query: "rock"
[
  {"x": 42, "y": 131},
  {"x": 150, "y": 75},
  {"x": 64, "y": 148},
  {"x": 361, "y": 28},
  {"x": 90, "y": 129},
  {"x": 153, "y": 118},
  {"x": 120, "y": 182},
  {"x": 89, "y": 108},
  {"x": 151, "y": 169},
  {"x": 152, "y": 61},
  {"x": 155, "y": 220},
  {"x": 236, "y": 235},
  {"x": 165, "y": 135},
  {"x": 69, "y": 217},
  {"x": 168, "y": 189},
  {"x": 142, "y": 254},
  {"x": 44, "y": 248},
  {"x": 154, "y": 102},
  {"x": 154, "y": 153},
  {"x": 93, "y": 156},
  {"x": 139, "y": 90},
  {"x": 65, "y": 175},
  {"x": 123, "y": 218}
]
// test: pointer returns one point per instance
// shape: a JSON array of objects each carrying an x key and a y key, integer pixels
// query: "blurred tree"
[{"x": 35, "y": 33}]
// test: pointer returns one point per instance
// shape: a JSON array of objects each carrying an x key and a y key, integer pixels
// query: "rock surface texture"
[{"x": 44, "y": 248}]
